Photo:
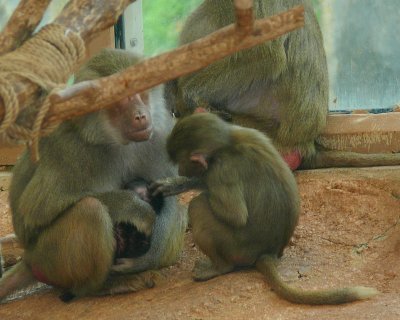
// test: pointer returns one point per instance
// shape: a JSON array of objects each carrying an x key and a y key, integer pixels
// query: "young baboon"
[
  {"x": 66, "y": 206},
  {"x": 279, "y": 87},
  {"x": 130, "y": 242},
  {"x": 141, "y": 188},
  {"x": 249, "y": 207}
]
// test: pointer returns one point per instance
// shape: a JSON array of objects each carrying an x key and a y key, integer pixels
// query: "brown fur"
[
  {"x": 269, "y": 87},
  {"x": 279, "y": 87},
  {"x": 64, "y": 207}
]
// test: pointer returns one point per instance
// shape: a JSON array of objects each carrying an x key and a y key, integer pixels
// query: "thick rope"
[{"x": 47, "y": 59}]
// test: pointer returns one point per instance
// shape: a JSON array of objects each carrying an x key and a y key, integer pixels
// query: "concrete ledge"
[{"x": 364, "y": 133}]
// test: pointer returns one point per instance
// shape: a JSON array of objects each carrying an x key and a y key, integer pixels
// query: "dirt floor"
[{"x": 349, "y": 234}]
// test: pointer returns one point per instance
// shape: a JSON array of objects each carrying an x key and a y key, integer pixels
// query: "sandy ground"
[{"x": 349, "y": 234}]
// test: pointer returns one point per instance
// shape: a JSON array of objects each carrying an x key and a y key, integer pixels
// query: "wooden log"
[
  {"x": 22, "y": 23},
  {"x": 362, "y": 133},
  {"x": 88, "y": 17},
  {"x": 85, "y": 17},
  {"x": 94, "y": 95}
]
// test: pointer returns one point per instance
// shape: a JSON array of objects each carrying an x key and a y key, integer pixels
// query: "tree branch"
[
  {"x": 94, "y": 95},
  {"x": 22, "y": 23},
  {"x": 86, "y": 17}
]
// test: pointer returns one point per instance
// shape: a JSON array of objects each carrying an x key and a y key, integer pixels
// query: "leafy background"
[{"x": 162, "y": 23}]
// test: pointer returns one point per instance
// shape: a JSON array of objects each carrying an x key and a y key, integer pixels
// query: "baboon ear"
[
  {"x": 200, "y": 110},
  {"x": 199, "y": 158}
]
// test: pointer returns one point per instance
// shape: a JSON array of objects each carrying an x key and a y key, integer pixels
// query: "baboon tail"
[
  {"x": 267, "y": 265},
  {"x": 123, "y": 283},
  {"x": 18, "y": 277}
]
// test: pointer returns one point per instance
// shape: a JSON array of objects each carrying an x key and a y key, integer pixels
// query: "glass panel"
[{"x": 362, "y": 41}]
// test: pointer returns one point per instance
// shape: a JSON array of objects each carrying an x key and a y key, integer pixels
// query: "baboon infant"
[{"x": 131, "y": 243}]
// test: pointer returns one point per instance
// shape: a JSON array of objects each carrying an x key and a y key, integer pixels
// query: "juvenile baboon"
[
  {"x": 130, "y": 242},
  {"x": 249, "y": 208},
  {"x": 141, "y": 187},
  {"x": 65, "y": 207},
  {"x": 279, "y": 87}
]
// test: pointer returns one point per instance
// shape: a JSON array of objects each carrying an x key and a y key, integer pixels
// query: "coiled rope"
[{"x": 47, "y": 60}]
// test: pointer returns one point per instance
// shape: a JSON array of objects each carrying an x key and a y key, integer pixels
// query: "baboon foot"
[{"x": 204, "y": 270}]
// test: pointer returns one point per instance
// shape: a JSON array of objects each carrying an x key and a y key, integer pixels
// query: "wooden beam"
[
  {"x": 22, "y": 23},
  {"x": 86, "y": 18},
  {"x": 94, "y": 95},
  {"x": 362, "y": 133}
]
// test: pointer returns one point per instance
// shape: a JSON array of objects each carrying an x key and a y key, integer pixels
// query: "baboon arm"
[
  {"x": 126, "y": 206},
  {"x": 175, "y": 185},
  {"x": 117, "y": 284},
  {"x": 165, "y": 242},
  {"x": 41, "y": 202},
  {"x": 256, "y": 122},
  {"x": 225, "y": 188},
  {"x": 227, "y": 203},
  {"x": 200, "y": 85}
]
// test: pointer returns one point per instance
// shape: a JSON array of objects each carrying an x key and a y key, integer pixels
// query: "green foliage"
[
  {"x": 162, "y": 21},
  {"x": 317, "y": 8}
]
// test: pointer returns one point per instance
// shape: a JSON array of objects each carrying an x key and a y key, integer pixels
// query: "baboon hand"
[
  {"x": 226, "y": 116},
  {"x": 167, "y": 187},
  {"x": 122, "y": 265},
  {"x": 145, "y": 225},
  {"x": 175, "y": 185}
]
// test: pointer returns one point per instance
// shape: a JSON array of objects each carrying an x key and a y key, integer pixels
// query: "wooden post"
[{"x": 22, "y": 23}]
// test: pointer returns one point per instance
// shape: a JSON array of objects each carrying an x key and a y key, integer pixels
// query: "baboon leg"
[
  {"x": 76, "y": 251},
  {"x": 206, "y": 229}
]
